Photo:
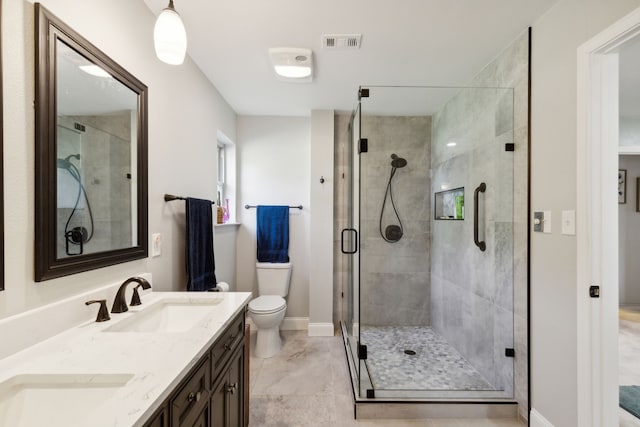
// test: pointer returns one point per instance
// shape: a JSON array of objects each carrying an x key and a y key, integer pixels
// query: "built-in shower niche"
[{"x": 449, "y": 204}]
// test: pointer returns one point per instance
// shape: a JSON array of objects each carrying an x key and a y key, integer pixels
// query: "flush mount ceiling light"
[
  {"x": 292, "y": 64},
  {"x": 170, "y": 37}
]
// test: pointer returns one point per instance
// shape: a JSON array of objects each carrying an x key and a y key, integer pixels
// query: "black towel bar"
[{"x": 171, "y": 197}]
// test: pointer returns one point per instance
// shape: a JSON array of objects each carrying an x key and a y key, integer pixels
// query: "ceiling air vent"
[{"x": 341, "y": 41}]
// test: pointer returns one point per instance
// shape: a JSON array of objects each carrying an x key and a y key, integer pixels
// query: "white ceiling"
[{"x": 404, "y": 42}]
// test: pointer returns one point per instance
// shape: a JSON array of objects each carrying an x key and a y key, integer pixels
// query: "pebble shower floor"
[{"x": 436, "y": 365}]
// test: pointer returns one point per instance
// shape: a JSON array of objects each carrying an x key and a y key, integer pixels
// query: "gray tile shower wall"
[
  {"x": 479, "y": 298},
  {"x": 395, "y": 276}
]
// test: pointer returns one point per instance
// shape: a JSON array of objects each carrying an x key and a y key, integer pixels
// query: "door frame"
[{"x": 597, "y": 222}]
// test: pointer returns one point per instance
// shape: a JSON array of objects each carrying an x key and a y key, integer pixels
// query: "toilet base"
[{"x": 268, "y": 342}]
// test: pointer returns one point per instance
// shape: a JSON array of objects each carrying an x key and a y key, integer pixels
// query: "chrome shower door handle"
[
  {"x": 355, "y": 240},
  {"x": 480, "y": 244}
]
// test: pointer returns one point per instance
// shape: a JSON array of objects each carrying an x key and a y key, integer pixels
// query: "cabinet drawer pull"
[
  {"x": 227, "y": 346},
  {"x": 232, "y": 388},
  {"x": 194, "y": 397}
]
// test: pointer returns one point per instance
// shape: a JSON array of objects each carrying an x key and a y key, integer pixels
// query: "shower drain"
[{"x": 410, "y": 352}]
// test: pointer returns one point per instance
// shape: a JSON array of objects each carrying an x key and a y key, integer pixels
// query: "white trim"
[
  {"x": 597, "y": 223},
  {"x": 321, "y": 329},
  {"x": 629, "y": 149},
  {"x": 537, "y": 420},
  {"x": 288, "y": 324}
]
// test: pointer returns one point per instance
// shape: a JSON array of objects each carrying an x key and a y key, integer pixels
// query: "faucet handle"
[
  {"x": 103, "y": 313},
  {"x": 135, "y": 298}
]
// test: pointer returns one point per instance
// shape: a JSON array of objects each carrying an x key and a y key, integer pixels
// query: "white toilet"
[{"x": 267, "y": 311}]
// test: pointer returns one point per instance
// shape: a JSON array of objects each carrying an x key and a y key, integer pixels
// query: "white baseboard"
[
  {"x": 294, "y": 324},
  {"x": 288, "y": 324},
  {"x": 321, "y": 329},
  {"x": 537, "y": 420}
]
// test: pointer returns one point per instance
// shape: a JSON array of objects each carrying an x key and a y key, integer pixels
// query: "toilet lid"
[{"x": 267, "y": 304}]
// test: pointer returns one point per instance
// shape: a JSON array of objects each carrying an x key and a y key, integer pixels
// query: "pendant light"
[{"x": 170, "y": 37}]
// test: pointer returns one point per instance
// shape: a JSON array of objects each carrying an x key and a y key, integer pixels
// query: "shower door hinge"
[
  {"x": 510, "y": 146},
  {"x": 363, "y": 146},
  {"x": 509, "y": 352},
  {"x": 363, "y": 93},
  {"x": 594, "y": 291},
  {"x": 362, "y": 352}
]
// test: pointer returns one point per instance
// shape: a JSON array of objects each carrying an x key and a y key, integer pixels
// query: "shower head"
[
  {"x": 397, "y": 162},
  {"x": 66, "y": 162}
]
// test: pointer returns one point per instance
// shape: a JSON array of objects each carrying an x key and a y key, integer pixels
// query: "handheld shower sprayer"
[
  {"x": 392, "y": 233},
  {"x": 78, "y": 235}
]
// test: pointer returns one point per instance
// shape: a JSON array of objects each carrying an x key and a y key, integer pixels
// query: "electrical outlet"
[{"x": 156, "y": 244}]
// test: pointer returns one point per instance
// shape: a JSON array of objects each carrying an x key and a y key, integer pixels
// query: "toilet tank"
[{"x": 273, "y": 278}]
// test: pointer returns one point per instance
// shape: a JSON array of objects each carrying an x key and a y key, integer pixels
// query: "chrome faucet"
[{"x": 119, "y": 303}]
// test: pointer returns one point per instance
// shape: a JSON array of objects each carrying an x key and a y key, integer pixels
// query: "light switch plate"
[
  {"x": 538, "y": 218},
  {"x": 569, "y": 223},
  {"x": 546, "y": 224},
  {"x": 542, "y": 221},
  {"x": 156, "y": 244}
]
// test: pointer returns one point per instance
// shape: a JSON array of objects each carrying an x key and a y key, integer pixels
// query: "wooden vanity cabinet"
[
  {"x": 212, "y": 394},
  {"x": 227, "y": 398}
]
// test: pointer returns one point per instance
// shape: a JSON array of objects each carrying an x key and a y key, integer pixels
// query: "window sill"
[{"x": 227, "y": 224}]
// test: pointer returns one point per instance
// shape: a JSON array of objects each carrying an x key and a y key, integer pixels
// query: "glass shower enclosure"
[{"x": 428, "y": 243}]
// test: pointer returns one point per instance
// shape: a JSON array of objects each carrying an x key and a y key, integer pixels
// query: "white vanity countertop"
[{"x": 156, "y": 361}]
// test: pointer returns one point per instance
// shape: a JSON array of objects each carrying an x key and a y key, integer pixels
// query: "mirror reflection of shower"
[
  {"x": 394, "y": 232},
  {"x": 76, "y": 235}
]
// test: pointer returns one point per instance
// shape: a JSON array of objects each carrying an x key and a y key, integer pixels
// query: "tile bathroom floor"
[
  {"x": 434, "y": 364},
  {"x": 628, "y": 350},
  {"x": 307, "y": 385}
]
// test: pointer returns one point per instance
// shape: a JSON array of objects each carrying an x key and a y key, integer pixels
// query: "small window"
[{"x": 221, "y": 174}]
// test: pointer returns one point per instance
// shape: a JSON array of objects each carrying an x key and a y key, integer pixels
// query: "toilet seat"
[{"x": 266, "y": 304}]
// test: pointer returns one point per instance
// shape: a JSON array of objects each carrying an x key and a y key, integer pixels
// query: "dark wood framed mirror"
[{"x": 91, "y": 155}]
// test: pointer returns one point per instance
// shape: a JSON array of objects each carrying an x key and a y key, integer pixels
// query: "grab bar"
[
  {"x": 342, "y": 241},
  {"x": 481, "y": 189}
]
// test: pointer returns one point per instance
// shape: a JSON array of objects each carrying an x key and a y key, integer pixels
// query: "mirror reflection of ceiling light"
[
  {"x": 170, "y": 36},
  {"x": 94, "y": 70},
  {"x": 451, "y": 144},
  {"x": 292, "y": 64}
]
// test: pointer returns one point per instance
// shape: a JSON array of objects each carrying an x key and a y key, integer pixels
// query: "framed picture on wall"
[{"x": 622, "y": 186}]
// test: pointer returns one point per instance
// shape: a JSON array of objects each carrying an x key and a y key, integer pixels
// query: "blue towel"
[
  {"x": 273, "y": 233},
  {"x": 201, "y": 267}
]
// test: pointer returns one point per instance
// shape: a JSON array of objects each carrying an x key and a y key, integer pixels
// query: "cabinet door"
[
  {"x": 203, "y": 419},
  {"x": 219, "y": 402},
  {"x": 236, "y": 389},
  {"x": 227, "y": 398},
  {"x": 188, "y": 403}
]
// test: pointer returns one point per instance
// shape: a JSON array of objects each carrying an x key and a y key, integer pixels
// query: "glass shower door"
[
  {"x": 349, "y": 241},
  {"x": 434, "y": 207}
]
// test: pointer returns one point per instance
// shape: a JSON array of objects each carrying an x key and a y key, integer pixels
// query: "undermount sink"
[
  {"x": 167, "y": 316},
  {"x": 55, "y": 399}
]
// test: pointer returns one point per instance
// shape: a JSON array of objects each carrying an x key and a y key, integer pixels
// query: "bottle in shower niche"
[{"x": 225, "y": 216}]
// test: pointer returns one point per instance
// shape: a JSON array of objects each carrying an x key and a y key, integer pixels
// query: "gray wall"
[
  {"x": 554, "y": 288},
  {"x": 395, "y": 276}
]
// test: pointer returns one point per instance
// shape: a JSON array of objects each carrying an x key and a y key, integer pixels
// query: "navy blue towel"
[
  {"x": 273, "y": 233},
  {"x": 201, "y": 267}
]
